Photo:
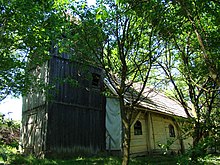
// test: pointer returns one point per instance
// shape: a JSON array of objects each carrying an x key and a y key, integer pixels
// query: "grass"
[
  {"x": 108, "y": 160},
  {"x": 147, "y": 160},
  {"x": 78, "y": 161},
  {"x": 159, "y": 160}
]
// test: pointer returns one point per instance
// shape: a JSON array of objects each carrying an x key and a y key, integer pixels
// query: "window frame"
[
  {"x": 138, "y": 128},
  {"x": 171, "y": 131},
  {"x": 96, "y": 78}
]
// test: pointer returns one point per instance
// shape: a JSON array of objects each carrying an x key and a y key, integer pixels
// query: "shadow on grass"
[
  {"x": 149, "y": 160},
  {"x": 107, "y": 160},
  {"x": 30, "y": 160},
  {"x": 154, "y": 160}
]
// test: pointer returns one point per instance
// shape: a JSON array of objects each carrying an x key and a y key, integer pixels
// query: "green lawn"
[
  {"x": 159, "y": 160},
  {"x": 148, "y": 160}
]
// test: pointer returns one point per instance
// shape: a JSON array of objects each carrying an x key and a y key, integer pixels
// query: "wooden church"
[{"x": 74, "y": 117}]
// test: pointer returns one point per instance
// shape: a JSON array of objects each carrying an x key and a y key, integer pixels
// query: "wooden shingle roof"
[
  {"x": 159, "y": 102},
  {"x": 151, "y": 100}
]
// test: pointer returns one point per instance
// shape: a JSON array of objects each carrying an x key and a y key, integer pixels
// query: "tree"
[
  {"x": 194, "y": 89},
  {"x": 27, "y": 29},
  {"x": 192, "y": 69},
  {"x": 190, "y": 61},
  {"x": 204, "y": 19},
  {"x": 115, "y": 38}
]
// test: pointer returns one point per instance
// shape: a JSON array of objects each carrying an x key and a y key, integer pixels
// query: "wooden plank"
[
  {"x": 85, "y": 127},
  {"x": 33, "y": 130},
  {"x": 74, "y": 121}
]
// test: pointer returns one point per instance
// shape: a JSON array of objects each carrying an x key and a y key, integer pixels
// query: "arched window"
[
  {"x": 137, "y": 128},
  {"x": 171, "y": 130}
]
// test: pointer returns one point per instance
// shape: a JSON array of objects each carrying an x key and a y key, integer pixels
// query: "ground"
[{"x": 107, "y": 160}]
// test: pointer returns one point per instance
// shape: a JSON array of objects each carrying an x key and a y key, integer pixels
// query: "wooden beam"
[{"x": 136, "y": 118}]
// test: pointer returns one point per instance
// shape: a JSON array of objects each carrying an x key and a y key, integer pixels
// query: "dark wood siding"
[
  {"x": 73, "y": 129},
  {"x": 76, "y": 112},
  {"x": 71, "y": 82}
]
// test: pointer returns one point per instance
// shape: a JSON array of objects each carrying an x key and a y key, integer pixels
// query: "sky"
[
  {"x": 12, "y": 107},
  {"x": 91, "y": 2}
]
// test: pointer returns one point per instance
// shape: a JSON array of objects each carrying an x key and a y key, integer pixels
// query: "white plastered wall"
[{"x": 113, "y": 124}]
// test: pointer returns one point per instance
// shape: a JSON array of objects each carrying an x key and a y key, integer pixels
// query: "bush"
[{"x": 9, "y": 137}]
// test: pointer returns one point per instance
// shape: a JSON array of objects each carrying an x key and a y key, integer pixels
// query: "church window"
[
  {"x": 171, "y": 130},
  {"x": 137, "y": 128}
]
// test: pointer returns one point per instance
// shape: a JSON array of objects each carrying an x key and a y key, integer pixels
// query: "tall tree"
[
  {"x": 194, "y": 89},
  {"x": 27, "y": 29},
  {"x": 114, "y": 37},
  {"x": 204, "y": 18},
  {"x": 190, "y": 31},
  {"x": 191, "y": 66}
]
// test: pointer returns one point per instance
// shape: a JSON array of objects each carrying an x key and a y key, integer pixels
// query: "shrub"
[{"x": 9, "y": 137}]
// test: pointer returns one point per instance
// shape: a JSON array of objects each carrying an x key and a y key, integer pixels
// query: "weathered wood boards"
[{"x": 70, "y": 117}]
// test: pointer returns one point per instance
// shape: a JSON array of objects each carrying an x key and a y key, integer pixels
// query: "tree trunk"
[
  {"x": 126, "y": 144},
  {"x": 182, "y": 148},
  {"x": 126, "y": 134},
  {"x": 196, "y": 139}
]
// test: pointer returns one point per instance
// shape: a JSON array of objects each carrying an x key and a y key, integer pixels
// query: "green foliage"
[
  {"x": 9, "y": 137},
  {"x": 9, "y": 131},
  {"x": 166, "y": 147},
  {"x": 209, "y": 159},
  {"x": 26, "y": 33}
]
